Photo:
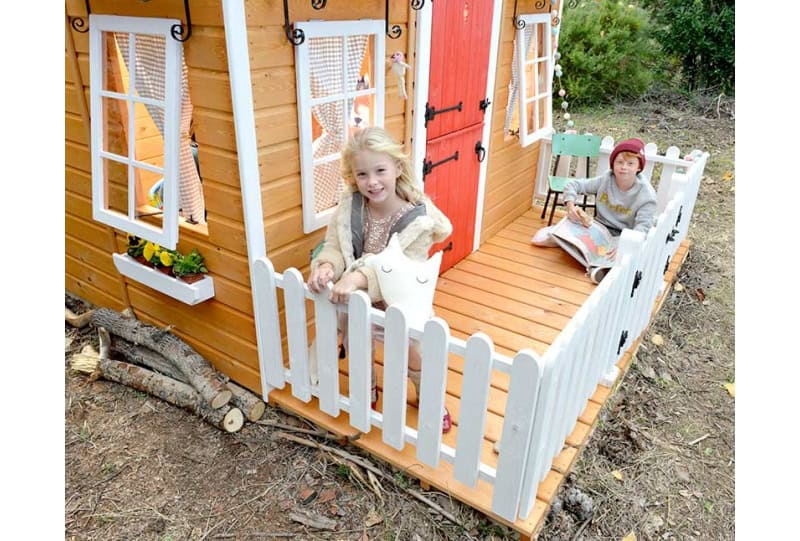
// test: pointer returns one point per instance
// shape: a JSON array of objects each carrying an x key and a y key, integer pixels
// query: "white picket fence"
[{"x": 546, "y": 393}]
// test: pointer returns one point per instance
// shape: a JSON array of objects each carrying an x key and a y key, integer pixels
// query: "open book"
[{"x": 588, "y": 245}]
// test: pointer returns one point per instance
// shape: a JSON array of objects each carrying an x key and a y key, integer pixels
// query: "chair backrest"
[{"x": 570, "y": 144}]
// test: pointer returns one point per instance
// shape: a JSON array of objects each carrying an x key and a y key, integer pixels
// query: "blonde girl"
[{"x": 380, "y": 197}]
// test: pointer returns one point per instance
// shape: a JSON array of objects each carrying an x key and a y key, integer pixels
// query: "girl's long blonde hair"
[{"x": 378, "y": 140}]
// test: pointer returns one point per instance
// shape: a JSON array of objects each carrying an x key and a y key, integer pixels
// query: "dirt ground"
[{"x": 660, "y": 464}]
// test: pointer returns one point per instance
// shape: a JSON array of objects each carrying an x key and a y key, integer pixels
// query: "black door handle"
[{"x": 480, "y": 151}]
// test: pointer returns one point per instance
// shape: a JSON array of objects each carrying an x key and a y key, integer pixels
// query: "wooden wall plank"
[
  {"x": 77, "y": 156},
  {"x": 281, "y": 195},
  {"x": 208, "y": 322},
  {"x": 88, "y": 233},
  {"x": 278, "y": 161},
  {"x": 204, "y": 12},
  {"x": 88, "y": 292},
  {"x": 227, "y": 234},
  {"x": 77, "y": 181},
  {"x": 206, "y": 49},
  {"x": 92, "y": 256},
  {"x": 91, "y": 275},
  {"x": 274, "y": 86},
  {"x": 273, "y": 125},
  {"x": 223, "y": 200},
  {"x": 210, "y": 89},
  {"x": 284, "y": 228}
]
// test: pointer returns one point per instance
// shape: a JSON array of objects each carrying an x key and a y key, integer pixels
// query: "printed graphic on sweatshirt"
[{"x": 619, "y": 209}]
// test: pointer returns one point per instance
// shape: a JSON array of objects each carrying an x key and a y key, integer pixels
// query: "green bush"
[
  {"x": 607, "y": 52},
  {"x": 700, "y": 34}
]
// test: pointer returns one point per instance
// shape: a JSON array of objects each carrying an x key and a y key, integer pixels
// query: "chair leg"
[
  {"x": 546, "y": 202},
  {"x": 553, "y": 211},
  {"x": 583, "y": 206}
]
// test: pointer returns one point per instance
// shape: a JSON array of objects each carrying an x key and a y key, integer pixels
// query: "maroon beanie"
[{"x": 629, "y": 145}]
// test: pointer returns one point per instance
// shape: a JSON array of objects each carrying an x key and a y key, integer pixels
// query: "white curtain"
[
  {"x": 150, "y": 73},
  {"x": 513, "y": 86},
  {"x": 327, "y": 77}
]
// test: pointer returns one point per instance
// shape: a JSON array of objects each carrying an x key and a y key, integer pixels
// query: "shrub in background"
[
  {"x": 608, "y": 52},
  {"x": 700, "y": 34}
]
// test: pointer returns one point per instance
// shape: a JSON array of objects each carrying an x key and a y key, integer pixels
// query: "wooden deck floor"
[{"x": 522, "y": 297}]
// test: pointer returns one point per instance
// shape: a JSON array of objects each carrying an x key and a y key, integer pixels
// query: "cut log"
[
  {"x": 172, "y": 391},
  {"x": 146, "y": 357},
  {"x": 252, "y": 406},
  {"x": 198, "y": 371}
]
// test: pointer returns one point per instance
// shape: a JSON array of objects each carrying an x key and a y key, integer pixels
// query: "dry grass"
[{"x": 137, "y": 468}]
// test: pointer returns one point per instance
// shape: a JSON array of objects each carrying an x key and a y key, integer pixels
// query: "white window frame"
[
  {"x": 543, "y": 21},
  {"x": 167, "y": 234},
  {"x": 320, "y": 29}
]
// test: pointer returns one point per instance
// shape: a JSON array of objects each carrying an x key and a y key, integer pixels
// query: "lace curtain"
[
  {"x": 327, "y": 77},
  {"x": 150, "y": 71}
]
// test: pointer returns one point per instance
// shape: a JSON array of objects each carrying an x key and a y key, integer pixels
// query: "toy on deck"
[
  {"x": 405, "y": 282},
  {"x": 399, "y": 68}
]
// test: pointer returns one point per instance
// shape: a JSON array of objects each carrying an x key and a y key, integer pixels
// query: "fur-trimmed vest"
[{"x": 417, "y": 230}]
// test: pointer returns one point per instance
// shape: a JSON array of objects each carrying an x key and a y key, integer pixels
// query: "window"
[
  {"x": 143, "y": 170},
  {"x": 530, "y": 103},
  {"x": 340, "y": 90}
]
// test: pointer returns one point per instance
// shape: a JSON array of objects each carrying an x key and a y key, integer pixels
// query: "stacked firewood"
[{"x": 161, "y": 364}]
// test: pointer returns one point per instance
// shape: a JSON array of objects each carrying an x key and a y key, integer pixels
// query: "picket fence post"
[
  {"x": 474, "y": 402},
  {"x": 268, "y": 329},
  {"x": 359, "y": 357},
  {"x": 395, "y": 385},
  {"x": 432, "y": 394},
  {"x": 523, "y": 394},
  {"x": 294, "y": 297}
]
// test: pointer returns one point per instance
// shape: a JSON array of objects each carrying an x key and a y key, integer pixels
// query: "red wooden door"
[
  {"x": 453, "y": 187},
  {"x": 460, "y": 38}
]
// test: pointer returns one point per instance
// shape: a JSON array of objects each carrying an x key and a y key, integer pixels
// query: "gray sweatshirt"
[{"x": 617, "y": 210}]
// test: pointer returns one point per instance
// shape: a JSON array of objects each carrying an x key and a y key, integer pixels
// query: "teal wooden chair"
[{"x": 577, "y": 146}]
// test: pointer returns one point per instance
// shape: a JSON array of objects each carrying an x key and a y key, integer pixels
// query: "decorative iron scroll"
[
  {"x": 518, "y": 23},
  {"x": 395, "y": 32},
  {"x": 539, "y": 4},
  {"x": 417, "y": 4},
  {"x": 78, "y": 24},
  {"x": 294, "y": 35},
  {"x": 180, "y": 32},
  {"x": 572, "y": 4}
]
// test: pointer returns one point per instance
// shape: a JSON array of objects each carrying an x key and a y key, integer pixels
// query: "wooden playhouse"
[{"x": 216, "y": 125}]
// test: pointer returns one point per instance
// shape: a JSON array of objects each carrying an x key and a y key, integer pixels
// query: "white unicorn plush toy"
[{"x": 405, "y": 282}]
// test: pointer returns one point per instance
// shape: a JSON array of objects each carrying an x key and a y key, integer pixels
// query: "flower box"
[{"x": 189, "y": 293}]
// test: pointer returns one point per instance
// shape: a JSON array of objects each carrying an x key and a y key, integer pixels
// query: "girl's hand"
[
  {"x": 341, "y": 291},
  {"x": 612, "y": 254},
  {"x": 320, "y": 277}
]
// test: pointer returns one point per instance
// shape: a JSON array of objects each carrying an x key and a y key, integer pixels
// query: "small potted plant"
[
  {"x": 159, "y": 258},
  {"x": 189, "y": 268},
  {"x": 136, "y": 249}
]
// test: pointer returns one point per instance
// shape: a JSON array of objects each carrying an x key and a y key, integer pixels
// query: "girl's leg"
[{"x": 415, "y": 374}]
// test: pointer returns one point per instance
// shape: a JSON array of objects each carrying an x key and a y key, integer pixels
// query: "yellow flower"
[
  {"x": 150, "y": 250},
  {"x": 166, "y": 259}
]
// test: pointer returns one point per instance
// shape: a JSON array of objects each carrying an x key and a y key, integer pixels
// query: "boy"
[{"x": 624, "y": 198}]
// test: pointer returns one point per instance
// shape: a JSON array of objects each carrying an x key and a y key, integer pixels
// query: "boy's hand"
[
  {"x": 320, "y": 277},
  {"x": 577, "y": 215},
  {"x": 572, "y": 213},
  {"x": 349, "y": 283}
]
